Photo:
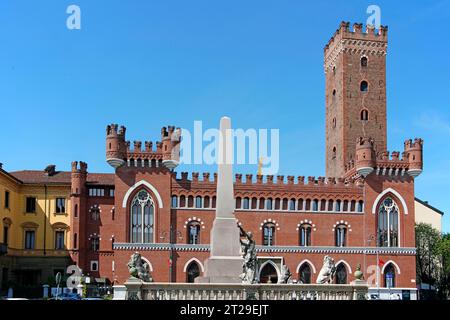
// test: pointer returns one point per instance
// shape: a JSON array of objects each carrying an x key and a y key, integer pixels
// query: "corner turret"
[
  {"x": 365, "y": 156},
  {"x": 116, "y": 148},
  {"x": 413, "y": 152},
  {"x": 171, "y": 139}
]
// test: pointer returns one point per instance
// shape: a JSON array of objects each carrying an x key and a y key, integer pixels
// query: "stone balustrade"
[{"x": 137, "y": 290}]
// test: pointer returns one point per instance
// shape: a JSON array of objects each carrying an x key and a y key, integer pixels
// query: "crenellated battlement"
[
  {"x": 355, "y": 39},
  {"x": 120, "y": 151},
  {"x": 114, "y": 129},
  {"x": 357, "y": 32},
  {"x": 385, "y": 163},
  {"x": 79, "y": 167},
  {"x": 267, "y": 180}
]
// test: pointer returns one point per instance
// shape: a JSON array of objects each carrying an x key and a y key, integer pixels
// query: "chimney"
[{"x": 50, "y": 170}]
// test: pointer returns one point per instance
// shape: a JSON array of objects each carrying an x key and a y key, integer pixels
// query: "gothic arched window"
[
  {"x": 192, "y": 272},
  {"x": 305, "y": 274},
  {"x": 142, "y": 218},
  {"x": 341, "y": 274},
  {"x": 305, "y": 235},
  {"x": 389, "y": 276},
  {"x": 194, "y": 232},
  {"x": 341, "y": 235},
  {"x": 388, "y": 221},
  {"x": 268, "y": 234}
]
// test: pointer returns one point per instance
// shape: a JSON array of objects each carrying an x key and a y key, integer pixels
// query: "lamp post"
[
  {"x": 171, "y": 248},
  {"x": 373, "y": 237}
]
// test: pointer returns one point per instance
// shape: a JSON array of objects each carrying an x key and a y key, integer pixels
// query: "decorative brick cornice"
[{"x": 351, "y": 46}]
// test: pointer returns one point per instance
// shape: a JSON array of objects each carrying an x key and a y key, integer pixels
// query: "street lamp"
[
  {"x": 373, "y": 237},
  {"x": 163, "y": 236}
]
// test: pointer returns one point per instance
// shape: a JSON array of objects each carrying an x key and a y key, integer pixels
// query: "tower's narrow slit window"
[
  {"x": 364, "y": 62},
  {"x": 364, "y": 86}
]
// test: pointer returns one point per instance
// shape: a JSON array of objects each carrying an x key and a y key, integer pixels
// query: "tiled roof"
[{"x": 60, "y": 177}]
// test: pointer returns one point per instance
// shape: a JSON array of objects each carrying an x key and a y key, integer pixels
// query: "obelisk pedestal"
[{"x": 225, "y": 262}]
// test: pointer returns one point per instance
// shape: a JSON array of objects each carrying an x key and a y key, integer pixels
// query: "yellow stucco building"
[
  {"x": 34, "y": 230},
  {"x": 425, "y": 213}
]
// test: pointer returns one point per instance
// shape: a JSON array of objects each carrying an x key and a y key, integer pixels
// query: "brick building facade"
[{"x": 362, "y": 213}]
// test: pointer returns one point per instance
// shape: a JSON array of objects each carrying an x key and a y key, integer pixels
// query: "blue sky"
[{"x": 146, "y": 64}]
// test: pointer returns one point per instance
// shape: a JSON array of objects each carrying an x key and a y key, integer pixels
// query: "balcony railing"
[
  {"x": 202, "y": 291},
  {"x": 37, "y": 252}
]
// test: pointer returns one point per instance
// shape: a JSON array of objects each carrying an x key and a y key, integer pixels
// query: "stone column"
[
  {"x": 45, "y": 288},
  {"x": 225, "y": 262}
]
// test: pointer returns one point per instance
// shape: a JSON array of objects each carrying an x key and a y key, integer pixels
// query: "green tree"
[
  {"x": 433, "y": 258},
  {"x": 444, "y": 279},
  {"x": 427, "y": 254}
]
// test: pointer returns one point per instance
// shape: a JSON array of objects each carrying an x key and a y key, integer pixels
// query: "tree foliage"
[{"x": 433, "y": 258}]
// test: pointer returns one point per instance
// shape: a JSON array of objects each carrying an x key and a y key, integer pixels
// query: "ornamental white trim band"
[{"x": 264, "y": 249}]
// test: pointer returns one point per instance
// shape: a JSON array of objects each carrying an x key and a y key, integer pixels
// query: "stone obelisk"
[{"x": 224, "y": 264}]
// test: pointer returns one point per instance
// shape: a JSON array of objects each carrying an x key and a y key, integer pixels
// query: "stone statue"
[
  {"x": 285, "y": 274},
  {"x": 327, "y": 272},
  {"x": 359, "y": 275},
  {"x": 138, "y": 268},
  {"x": 248, "y": 248}
]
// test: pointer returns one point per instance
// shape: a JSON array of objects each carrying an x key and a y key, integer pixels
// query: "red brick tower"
[
  {"x": 78, "y": 219},
  {"x": 355, "y": 68}
]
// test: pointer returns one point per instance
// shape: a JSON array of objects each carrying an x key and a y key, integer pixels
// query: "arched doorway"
[
  {"x": 268, "y": 274},
  {"x": 304, "y": 274},
  {"x": 341, "y": 274},
  {"x": 192, "y": 272}
]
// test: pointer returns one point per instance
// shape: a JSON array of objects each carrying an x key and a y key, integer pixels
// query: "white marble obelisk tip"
[{"x": 225, "y": 192}]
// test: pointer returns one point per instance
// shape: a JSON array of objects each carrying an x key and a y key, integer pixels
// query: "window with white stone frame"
[
  {"x": 94, "y": 265},
  {"x": 388, "y": 223},
  {"x": 193, "y": 229},
  {"x": 341, "y": 235},
  {"x": 269, "y": 234},
  {"x": 305, "y": 235},
  {"x": 142, "y": 218}
]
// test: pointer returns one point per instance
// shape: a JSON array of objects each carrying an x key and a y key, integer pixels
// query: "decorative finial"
[{"x": 260, "y": 165}]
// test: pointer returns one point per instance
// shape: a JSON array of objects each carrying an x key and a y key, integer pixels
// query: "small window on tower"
[
  {"x": 364, "y": 115},
  {"x": 364, "y": 86},
  {"x": 333, "y": 156},
  {"x": 334, "y": 70},
  {"x": 334, "y": 123},
  {"x": 364, "y": 62}
]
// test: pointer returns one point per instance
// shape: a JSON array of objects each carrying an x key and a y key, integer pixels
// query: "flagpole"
[{"x": 378, "y": 274}]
